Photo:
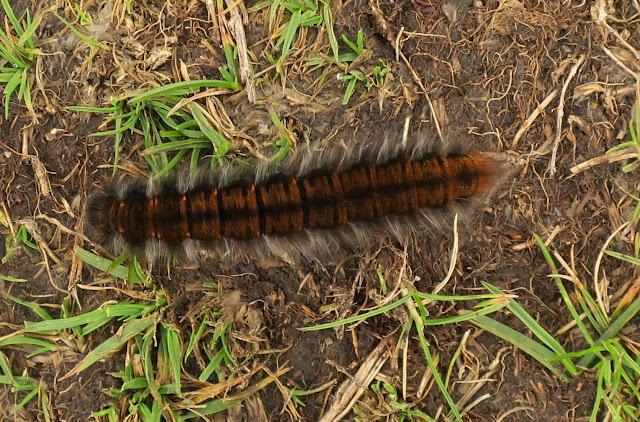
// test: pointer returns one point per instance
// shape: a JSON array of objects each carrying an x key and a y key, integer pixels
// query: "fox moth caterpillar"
[{"x": 312, "y": 204}]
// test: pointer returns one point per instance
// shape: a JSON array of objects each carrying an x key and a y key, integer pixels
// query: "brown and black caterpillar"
[{"x": 312, "y": 203}]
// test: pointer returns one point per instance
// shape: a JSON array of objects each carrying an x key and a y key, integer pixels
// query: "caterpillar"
[{"x": 314, "y": 203}]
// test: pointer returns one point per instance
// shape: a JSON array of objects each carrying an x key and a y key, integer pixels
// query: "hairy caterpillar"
[{"x": 311, "y": 204}]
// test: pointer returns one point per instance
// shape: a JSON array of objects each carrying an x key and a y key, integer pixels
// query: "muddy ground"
[{"x": 549, "y": 85}]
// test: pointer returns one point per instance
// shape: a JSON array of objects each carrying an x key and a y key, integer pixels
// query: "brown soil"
[{"x": 486, "y": 68}]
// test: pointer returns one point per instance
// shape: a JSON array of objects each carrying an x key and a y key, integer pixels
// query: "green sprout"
[
  {"x": 345, "y": 63},
  {"x": 301, "y": 14},
  {"x": 634, "y": 131},
  {"x": 85, "y": 18},
  {"x": 17, "y": 54},
  {"x": 284, "y": 143},
  {"x": 379, "y": 74},
  {"x": 13, "y": 242}
]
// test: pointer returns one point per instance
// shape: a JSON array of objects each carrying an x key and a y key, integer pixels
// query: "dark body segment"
[
  {"x": 283, "y": 204},
  {"x": 323, "y": 201},
  {"x": 280, "y": 206},
  {"x": 202, "y": 214},
  {"x": 239, "y": 218}
]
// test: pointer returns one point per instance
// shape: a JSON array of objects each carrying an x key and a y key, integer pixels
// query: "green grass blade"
[
  {"x": 128, "y": 125},
  {"x": 26, "y": 400},
  {"x": 101, "y": 263},
  {"x": 112, "y": 109},
  {"x": 328, "y": 23},
  {"x": 6, "y": 370},
  {"x": 351, "y": 44},
  {"x": 612, "y": 330},
  {"x": 449, "y": 298},
  {"x": 273, "y": 11},
  {"x": 94, "y": 325},
  {"x": 599, "y": 394},
  {"x": 349, "y": 91},
  {"x": 12, "y": 279},
  {"x": 11, "y": 85},
  {"x": 26, "y": 340},
  {"x": 194, "y": 338},
  {"x": 135, "y": 384},
  {"x": 536, "y": 350},
  {"x": 64, "y": 323},
  {"x": 537, "y": 330},
  {"x": 11, "y": 52},
  {"x": 359, "y": 317},
  {"x": 621, "y": 146},
  {"x": 466, "y": 316},
  {"x": 114, "y": 343},
  {"x": 25, "y": 92},
  {"x": 12, "y": 17},
  {"x": 178, "y": 88},
  {"x": 417, "y": 319},
  {"x": 165, "y": 170},
  {"x": 29, "y": 31},
  {"x": 80, "y": 34},
  {"x": 212, "y": 366},
  {"x": 37, "y": 309},
  {"x": 290, "y": 33},
  {"x": 174, "y": 351},
  {"x": 211, "y": 407},
  {"x": 629, "y": 259},
  {"x": 220, "y": 143}
]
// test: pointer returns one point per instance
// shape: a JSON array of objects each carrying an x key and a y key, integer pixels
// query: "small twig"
[
  {"x": 612, "y": 157},
  {"x": 237, "y": 27},
  {"x": 426, "y": 35},
  {"x": 286, "y": 395},
  {"x": 454, "y": 258},
  {"x": 560, "y": 116},
  {"x": 532, "y": 242},
  {"x": 397, "y": 43},
  {"x": 619, "y": 63},
  {"x": 600, "y": 290},
  {"x": 352, "y": 389},
  {"x": 211, "y": 8},
  {"x": 621, "y": 40},
  {"x": 532, "y": 117},
  {"x": 504, "y": 415},
  {"x": 482, "y": 379}
]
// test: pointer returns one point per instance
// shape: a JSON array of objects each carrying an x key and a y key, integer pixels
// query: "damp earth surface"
[{"x": 548, "y": 87}]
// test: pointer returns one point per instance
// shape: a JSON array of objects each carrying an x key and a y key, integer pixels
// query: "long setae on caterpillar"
[{"x": 315, "y": 203}]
